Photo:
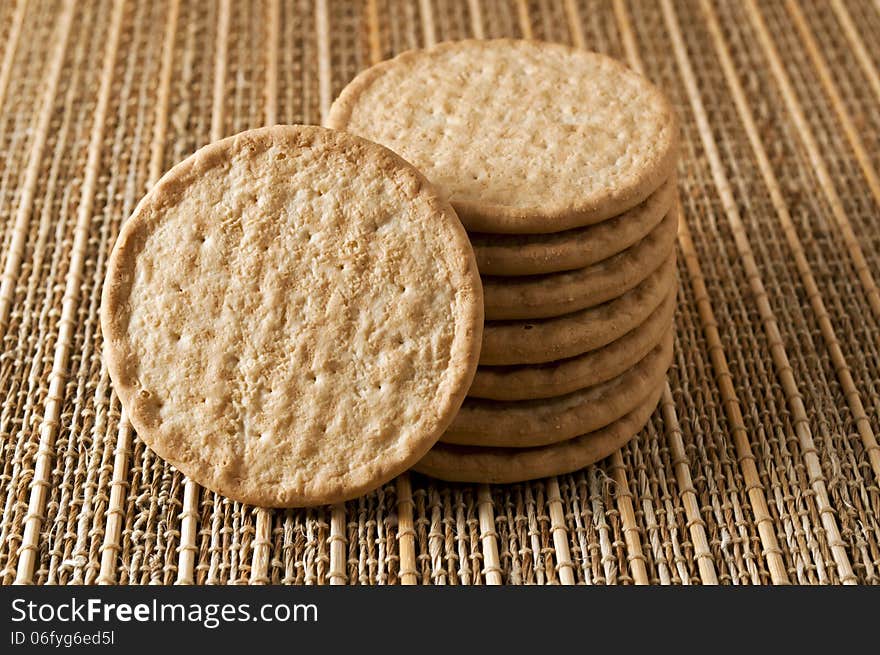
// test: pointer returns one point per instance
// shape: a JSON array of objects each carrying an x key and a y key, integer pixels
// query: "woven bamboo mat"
[{"x": 762, "y": 464}]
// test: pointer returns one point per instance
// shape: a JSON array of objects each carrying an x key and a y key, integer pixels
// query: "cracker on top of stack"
[{"x": 561, "y": 165}]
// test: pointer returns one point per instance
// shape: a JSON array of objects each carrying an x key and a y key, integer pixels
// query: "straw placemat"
[{"x": 761, "y": 465}]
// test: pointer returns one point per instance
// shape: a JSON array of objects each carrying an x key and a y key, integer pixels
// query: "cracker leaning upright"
[
  {"x": 292, "y": 316},
  {"x": 523, "y": 136}
]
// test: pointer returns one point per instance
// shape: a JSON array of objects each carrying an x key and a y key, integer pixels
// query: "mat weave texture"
[{"x": 762, "y": 463}]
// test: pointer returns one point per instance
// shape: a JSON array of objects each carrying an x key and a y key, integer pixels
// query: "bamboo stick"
[{"x": 67, "y": 323}]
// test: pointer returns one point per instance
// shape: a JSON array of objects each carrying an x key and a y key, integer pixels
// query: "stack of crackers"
[
  {"x": 560, "y": 164},
  {"x": 472, "y": 274}
]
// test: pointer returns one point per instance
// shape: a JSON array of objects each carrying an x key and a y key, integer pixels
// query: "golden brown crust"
[
  {"x": 580, "y": 116},
  {"x": 529, "y": 423},
  {"x": 539, "y": 254},
  {"x": 550, "y": 339},
  {"x": 216, "y": 289},
  {"x": 533, "y": 381},
  {"x": 554, "y": 294},
  {"x": 507, "y": 465}
]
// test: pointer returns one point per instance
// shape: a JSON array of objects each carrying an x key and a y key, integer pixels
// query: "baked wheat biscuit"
[
  {"x": 534, "y": 381},
  {"x": 561, "y": 337},
  {"x": 554, "y": 294},
  {"x": 506, "y": 465},
  {"x": 292, "y": 316},
  {"x": 522, "y": 136},
  {"x": 537, "y": 254},
  {"x": 529, "y": 423}
]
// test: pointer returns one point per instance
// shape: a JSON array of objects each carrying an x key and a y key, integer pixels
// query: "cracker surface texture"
[
  {"x": 522, "y": 136},
  {"x": 292, "y": 316}
]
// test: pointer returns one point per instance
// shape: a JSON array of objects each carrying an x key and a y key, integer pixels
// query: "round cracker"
[
  {"x": 554, "y": 294},
  {"x": 504, "y": 127},
  {"x": 529, "y": 423},
  {"x": 508, "y": 465},
  {"x": 292, "y": 316},
  {"x": 538, "y": 254},
  {"x": 534, "y": 381},
  {"x": 561, "y": 337}
]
